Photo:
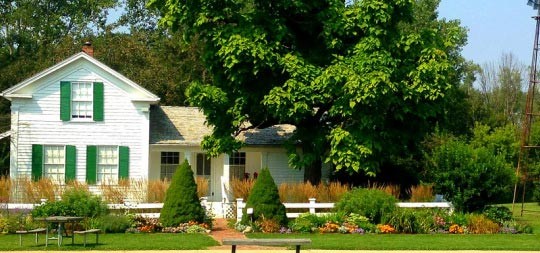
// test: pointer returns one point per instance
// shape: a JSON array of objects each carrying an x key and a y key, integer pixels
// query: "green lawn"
[
  {"x": 415, "y": 242},
  {"x": 157, "y": 241},
  {"x": 531, "y": 214},
  {"x": 429, "y": 241}
]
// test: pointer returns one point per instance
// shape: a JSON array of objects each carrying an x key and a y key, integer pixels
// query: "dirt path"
[{"x": 221, "y": 231}]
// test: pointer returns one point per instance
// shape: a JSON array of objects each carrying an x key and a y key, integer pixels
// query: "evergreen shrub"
[
  {"x": 181, "y": 201},
  {"x": 264, "y": 199},
  {"x": 371, "y": 203}
]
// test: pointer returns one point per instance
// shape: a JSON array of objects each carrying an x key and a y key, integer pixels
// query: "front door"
[{"x": 204, "y": 172}]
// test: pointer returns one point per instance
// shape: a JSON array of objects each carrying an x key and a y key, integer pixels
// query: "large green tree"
[{"x": 361, "y": 80}]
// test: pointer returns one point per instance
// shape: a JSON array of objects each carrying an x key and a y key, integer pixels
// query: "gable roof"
[
  {"x": 18, "y": 90},
  {"x": 186, "y": 126}
]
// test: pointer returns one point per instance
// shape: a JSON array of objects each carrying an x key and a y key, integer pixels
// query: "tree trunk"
[{"x": 312, "y": 172}]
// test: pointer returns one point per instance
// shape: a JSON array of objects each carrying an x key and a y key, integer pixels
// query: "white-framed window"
[
  {"x": 237, "y": 165},
  {"x": 54, "y": 163},
  {"x": 82, "y": 100},
  {"x": 169, "y": 163},
  {"x": 107, "y": 165},
  {"x": 204, "y": 165}
]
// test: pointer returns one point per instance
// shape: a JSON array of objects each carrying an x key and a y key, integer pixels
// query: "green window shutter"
[
  {"x": 123, "y": 164},
  {"x": 65, "y": 101},
  {"x": 71, "y": 161},
  {"x": 98, "y": 102},
  {"x": 37, "y": 161},
  {"x": 91, "y": 164}
]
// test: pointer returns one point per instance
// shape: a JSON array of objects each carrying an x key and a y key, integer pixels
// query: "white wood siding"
[
  {"x": 280, "y": 170},
  {"x": 125, "y": 123}
]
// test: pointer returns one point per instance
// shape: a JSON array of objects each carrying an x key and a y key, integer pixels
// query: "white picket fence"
[
  {"x": 152, "y": 210},
  {"x": 313, "y": 205}
]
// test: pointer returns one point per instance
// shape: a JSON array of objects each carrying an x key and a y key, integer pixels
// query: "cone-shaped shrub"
[
  {"x": 264, "y": 199},
  {"x": 181, "y": 202}
]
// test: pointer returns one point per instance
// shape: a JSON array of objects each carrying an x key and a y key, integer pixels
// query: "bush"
[
  {"x": 371, "y": 203},
  {"x": 470, "y": 177},
  {"x": 361, "y": 222},
  {"x": 264, "y": 199},
  {"x": 83, "y": 203},
  {"x": 115, "y": 223},
  {"x": 181, "y": 202},
  {"x": 306, "y": 223},
  {"x": 75, "y": 202},
  {"x": 499, "y": 214}
]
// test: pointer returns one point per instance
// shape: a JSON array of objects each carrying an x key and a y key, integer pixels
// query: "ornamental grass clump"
[
  {"x": 181, "y": 202},
  {"x": 264, "y": 199}
]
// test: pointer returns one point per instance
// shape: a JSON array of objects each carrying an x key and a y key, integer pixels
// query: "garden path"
[{"x": 221, "y": 230}]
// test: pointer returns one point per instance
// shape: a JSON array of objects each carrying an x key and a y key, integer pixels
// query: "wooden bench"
[
  {"x": 36, "y": 232},
  {"x": 89, "y": 231},
  {"x": 266, "y": 242}
]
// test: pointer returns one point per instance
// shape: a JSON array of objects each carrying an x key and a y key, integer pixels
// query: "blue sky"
[{"x": 495, "y": 27}]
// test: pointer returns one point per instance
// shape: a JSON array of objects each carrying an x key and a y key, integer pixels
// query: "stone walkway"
[{"x": 220, "y": 231}]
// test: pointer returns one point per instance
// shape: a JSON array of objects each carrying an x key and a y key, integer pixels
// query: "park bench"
[
  {"x": 36, "y": 232},
  {"x": 266, "y": 242},
  {"x": 89, "y": 231}
]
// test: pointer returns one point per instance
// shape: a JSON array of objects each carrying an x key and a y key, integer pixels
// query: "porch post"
[
  {"x": 187, "y": 156},
  {"x": 264, "y": 160},
  {"x": 225, "y": 179}
]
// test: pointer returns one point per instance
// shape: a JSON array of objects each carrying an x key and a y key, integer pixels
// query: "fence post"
[
  {"x": 239, "y": 207},
  {"x": 312, "y": 205},
  {"x": 204, "y": 202}
]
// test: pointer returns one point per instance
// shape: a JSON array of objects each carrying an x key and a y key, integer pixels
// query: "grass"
[
  {"x": 415, "y": 242},
  {"x": 488, "y": 242},
  {"x": 531, "y": 214},
  {"x": 109, "y": 242}
]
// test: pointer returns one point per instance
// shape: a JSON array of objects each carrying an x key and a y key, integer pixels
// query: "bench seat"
[
  {"x": 266, "y": 242},
  {"x": 89, "y": 231},
  {"x": 36, "y": 232}
]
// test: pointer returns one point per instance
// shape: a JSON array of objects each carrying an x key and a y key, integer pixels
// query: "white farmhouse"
[{"x": 81, "y": 120}]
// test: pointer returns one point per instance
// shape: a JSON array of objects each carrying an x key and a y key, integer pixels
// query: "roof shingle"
[{"x": 186, "y": 126}]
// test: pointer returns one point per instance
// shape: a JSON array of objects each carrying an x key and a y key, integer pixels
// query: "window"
[
  {"x": 237, "y": 165},
  {"x": 169, "y": 163},
  {"x": 81, "y": 100},
  {"x": 53, "y": 163},
  {"x": 203, "y": 165},
  {"x": 107, "y": 165}
]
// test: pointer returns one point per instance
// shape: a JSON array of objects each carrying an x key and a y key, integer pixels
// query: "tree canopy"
[{"x": 362, "y": 81}]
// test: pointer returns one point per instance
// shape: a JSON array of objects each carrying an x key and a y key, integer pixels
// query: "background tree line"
[{"x": 468, "y": 103}]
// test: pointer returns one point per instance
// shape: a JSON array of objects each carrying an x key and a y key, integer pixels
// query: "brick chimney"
[{"x": 88, "y": 49}]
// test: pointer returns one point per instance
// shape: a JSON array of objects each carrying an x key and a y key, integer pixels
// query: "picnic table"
[{"x": 61, "y": 231}]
